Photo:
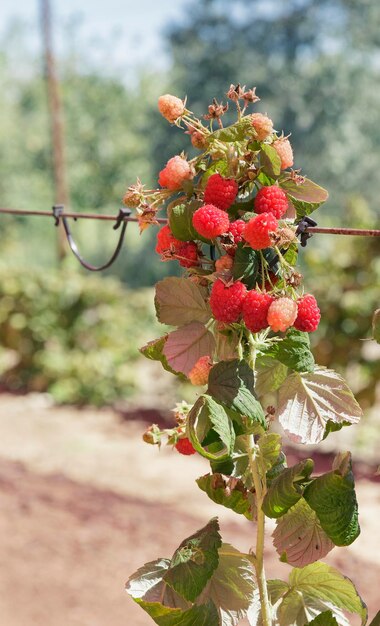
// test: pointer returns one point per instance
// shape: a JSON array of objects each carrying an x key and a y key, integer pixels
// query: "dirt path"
[{"x": 84, "y": 503}]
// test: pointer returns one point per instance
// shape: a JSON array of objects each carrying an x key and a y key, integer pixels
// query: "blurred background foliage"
[{"x": 316, "y": 66}]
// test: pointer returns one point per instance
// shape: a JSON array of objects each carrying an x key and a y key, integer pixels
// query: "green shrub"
[{"x": 75, "y": 336}]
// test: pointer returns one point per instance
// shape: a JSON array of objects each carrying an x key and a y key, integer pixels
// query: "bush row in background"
[{"x": 74, "y": 336}]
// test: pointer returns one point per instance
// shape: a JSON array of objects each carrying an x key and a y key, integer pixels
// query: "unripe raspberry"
[
  {"x": 262, "y": 125},
  {"x": 175, "y": 172},
  {"x": 271, "y": 199},
  {"x": 187, "y": 254},
  {"x": 199, "y": 374},
  {"x": 257, "y": 231},
  {"x": 308, "y": 315},
  {"x": 224, "y": 263},
  {"x": 210, "y": 222},
  {"x": 255, "y": 310},
  {"x": 281, "y": 314},
  {"x": 166, "y": 242},
  {"x": 226, "y": 301},
  {"x": 170, "y": 107},
  {"x": 284, "y": 151},
  {"x": 198, "y": 139},
  {"x": 184, "y": 446},
  {"x": 236, "y": 230},
  {"x": 221, "y": 192}
]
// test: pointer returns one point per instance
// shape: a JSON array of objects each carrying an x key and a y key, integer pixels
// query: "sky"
[{"x": 135, "y": 25}]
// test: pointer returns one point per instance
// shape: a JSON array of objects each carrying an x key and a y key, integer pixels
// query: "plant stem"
[{"x": 260, "y": 489}]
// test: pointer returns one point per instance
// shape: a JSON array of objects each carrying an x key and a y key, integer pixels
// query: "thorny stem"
[{"x": 260, "y": 489}]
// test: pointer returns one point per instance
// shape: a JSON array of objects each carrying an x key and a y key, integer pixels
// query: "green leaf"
[
  {"x": 232, "y": 586},
  {"x": 235, "y": 132},
  {"x": 376, "y": 620},
  {"x": 269, "y": 446},
  {"x": 332, "y": 496},
  {"x": 287, "y": 489},
  {"x": 291, "y": 254},
  {"x": 324, "y": 619},
  {"x": 306, "y": 197},
  {"x": 270, "y": 374},
  {"x": 154, "y": 351},
  {"x": 299, "y": 538},
  {"x": 376, "y": 325},
  {"x": 307, "y": 402},
  {"x": 186, "y": 345},
  {"x": 270, "y": 160},
  {"x": 205, "y": 415},
  {"x": 181, "y": 221},
  {"x": 232, "y": 383},
  {"x": 179, "y": 301},
  {"x": 194, "y": 561},
  {"x": 231, "y": 494},
  {"x": 205, "y": 615},
  {"x": 303, "y": 208},
  {"x": 246, "y": 265},
  {"x": 293, "y": 351}
]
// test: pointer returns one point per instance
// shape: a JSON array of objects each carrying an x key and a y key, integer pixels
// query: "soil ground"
[{"x": 84, "y": 503}]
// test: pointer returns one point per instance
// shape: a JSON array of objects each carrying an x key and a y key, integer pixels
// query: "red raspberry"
[
  {"x": 255, "y": 310},
  {"x": 281, "y": 314},
  {"x": 263, "y": 126},
  {"x": 221, "y": 192},
  {"x": 184, "y": 446},
  {"x": 284, "y": 151},
  {"x": 200, "y": 372},
  {"x": 187, "y": 254},
  {"x": 175, "y": 172},
  {"x": 236, "y": 230},
  {"x": 308, "y": 315},
  {"x": 256, "y": 232},
  {"x": 226, "y": 301},
  {"x": 166, "y": 242},
  {"x": 209, "y": 221},
  {"x": 170, "y": 107},
  {"x": 271, "y": 199}
]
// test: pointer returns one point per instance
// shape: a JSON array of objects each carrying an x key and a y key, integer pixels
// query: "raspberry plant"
[{"x": 242, "y": 321}]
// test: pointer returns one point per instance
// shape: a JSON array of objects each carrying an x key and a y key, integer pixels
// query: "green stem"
[{"x": 260, "y": 488}]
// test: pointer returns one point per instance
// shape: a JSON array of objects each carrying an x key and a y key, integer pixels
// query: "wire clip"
[{"x": 302, "y": 229}]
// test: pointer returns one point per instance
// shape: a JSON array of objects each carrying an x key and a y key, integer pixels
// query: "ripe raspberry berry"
[
  {"x": 210, "y": 222},
  {"x": 281, "y": 314},
  {"x": 308, "y": 315},
  {"x": 175, "y": 172},
  {"x": 236, "y": 230},
  {"x": 262, "y": 125},
  {"x": 184, "y": 446},
  {"x": 224, "y": 262},
  {"x": 255, "y": 310},
  {"x": 221, "y": 192},
  {"x": 187, "y": 254},
  {"x": 226, "y": 301},
  {"x": 284, "y": 151},
  {"x": 166, "y": 242},
  {"x": 271, "y": 199},
  {"x": 170, "y": 107},
  {"x": 256, "y": 232},
  {"x": 199, "y": 374}
]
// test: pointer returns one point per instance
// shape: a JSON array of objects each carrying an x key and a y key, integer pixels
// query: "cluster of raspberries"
[{"x": 260, "y": 310}]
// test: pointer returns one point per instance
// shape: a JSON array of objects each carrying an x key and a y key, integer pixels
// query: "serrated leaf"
[
  {"x": 276, "y": 589},
  {"x": 270, "y": 374},
  {"x": 153, "y": 350},
  {"x": 235, "y": 132},
  {"x": 376, "y": 325},
  {"x": 332, "y": 496},
  {"x": 179, "y": 301},
  {"x": 303, "y": 208},
  {"x": 307, "y": 402},
  {"x": 205, "y": 415},
  {"x": 147, "y": 584},
  {"x": 269, "y": 446},
  {"x": 307, "y": 191},
  {"x": 181, "y": 221},
  {"x": 319, "y": 586},
  {"x": 231, "y": 494},
  {"x": 232, "y": 586},
  {"x": 324, "y": 619},
  {"x": 299, "y": 538},
  {"x": 270, "y": 160},
  {"x": 205, "y": 615},
  {"x": 186, "y": 345},
  {"x": 194, "y": 561},
  {"x": 246, "y": 265},
  {"x": 293, "y": 351},
  {"x": 232, "y": 383},
  {"x": 287, "y": 489}
]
